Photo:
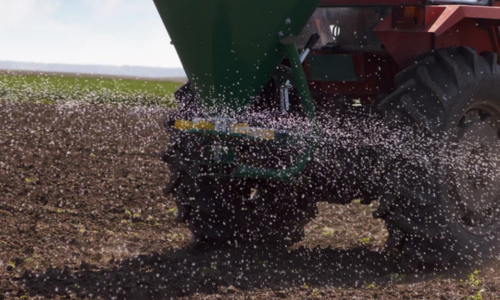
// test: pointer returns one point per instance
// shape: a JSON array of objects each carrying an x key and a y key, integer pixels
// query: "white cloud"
[
  {"x": 108, "y": 6},
  {"x": 15, "y": 13}
]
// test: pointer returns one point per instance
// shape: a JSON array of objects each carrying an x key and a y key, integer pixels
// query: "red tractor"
[{"x": 419, "y": 73}]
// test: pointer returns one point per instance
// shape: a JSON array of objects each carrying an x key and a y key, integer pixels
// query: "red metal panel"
[
  {"x": 448, "y": 25},
  {"x": 455, "y": 13},
  {"x": 466, "y": 32},
  {"x": 445, "y": 25},
  {"x": 369, "y": 2},
  {"x": 432, "y": 13},
  {"x": 404, "y": 44},
  {"x": 405, "y": 47}
]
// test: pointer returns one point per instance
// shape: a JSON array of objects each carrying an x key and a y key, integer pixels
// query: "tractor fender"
[
  {"x": 405, "y": 44},
  {"x": 452, "y": 14}
]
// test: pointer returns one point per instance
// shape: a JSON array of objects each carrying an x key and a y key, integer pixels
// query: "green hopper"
[{"x": 231, "y": 48}]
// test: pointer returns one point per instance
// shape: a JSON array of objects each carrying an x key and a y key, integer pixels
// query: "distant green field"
[{"x": 56, "y": 89}]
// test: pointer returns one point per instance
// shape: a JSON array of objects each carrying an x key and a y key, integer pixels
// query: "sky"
[{"x": 102, "y": 32}]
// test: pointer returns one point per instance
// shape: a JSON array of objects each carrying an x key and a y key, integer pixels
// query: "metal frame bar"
[
  {"x": 300, "y": 80},
  {"x": 494, "y": 34},
  {"x": 302, "y": 87},
  {"x": 370, "y": 2},
  {"x": 497, "y": 37}
]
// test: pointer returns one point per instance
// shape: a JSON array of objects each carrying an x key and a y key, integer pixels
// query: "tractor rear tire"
[{"x": 436, "y": 212}]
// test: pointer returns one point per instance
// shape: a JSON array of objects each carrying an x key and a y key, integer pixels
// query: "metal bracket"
[
  {"x": 302, "y": 87},
  {"x": 300, "y": 78}
]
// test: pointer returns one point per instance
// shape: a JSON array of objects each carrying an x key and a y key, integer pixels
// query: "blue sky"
[{"x": 104, "y": 32}]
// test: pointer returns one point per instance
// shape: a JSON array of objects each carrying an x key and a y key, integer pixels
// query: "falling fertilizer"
[{"x": 323, "y": 103}]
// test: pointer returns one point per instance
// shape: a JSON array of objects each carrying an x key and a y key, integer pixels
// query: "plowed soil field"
[{"x": 82, "y": 216}]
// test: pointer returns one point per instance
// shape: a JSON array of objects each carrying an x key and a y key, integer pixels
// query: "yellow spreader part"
[
  {"x": 261, "y": 133},
  {"x": 240, "y": 128},
  {"x": 189, "y": 125}
]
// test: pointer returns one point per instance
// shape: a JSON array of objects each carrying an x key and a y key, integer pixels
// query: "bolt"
[
  {"x": 281, "y": 34},
  {"x": 288, "y": 21}
]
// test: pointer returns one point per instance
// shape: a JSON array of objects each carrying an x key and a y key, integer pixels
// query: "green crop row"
[{"x": 58, "y": 88}]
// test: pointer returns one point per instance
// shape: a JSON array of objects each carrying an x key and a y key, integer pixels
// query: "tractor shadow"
[{"x": 185, "y": 272}]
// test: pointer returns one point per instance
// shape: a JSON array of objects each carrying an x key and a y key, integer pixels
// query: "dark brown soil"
[{"x": 82, "y": 216}]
